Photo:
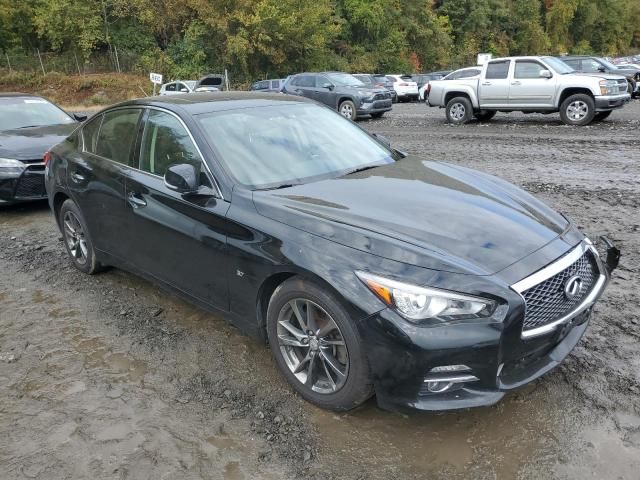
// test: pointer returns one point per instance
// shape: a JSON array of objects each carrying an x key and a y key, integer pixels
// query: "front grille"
[
  {"x": 31, "y": 186},
  {"x": 546, "y": 302},
  {"x": 382, "y": 96}
]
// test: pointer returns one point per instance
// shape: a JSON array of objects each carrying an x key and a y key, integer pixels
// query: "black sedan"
[
  {"x": 368, "y": 270},
  {"x": 29, "y": 125}
]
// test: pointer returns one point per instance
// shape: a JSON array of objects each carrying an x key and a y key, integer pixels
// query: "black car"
[
  {"x": 378, "y": 81},
  {"x": 432, "y": 285},
  {"x": 585, "y": 64},
  {"x": 29, "y": 125},
  {"x": 342, "y": 92},
  {"x": 422, "y": 78}
]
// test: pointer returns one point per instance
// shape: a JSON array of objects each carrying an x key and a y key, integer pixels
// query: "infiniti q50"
[{"x": 367, "y": 270}]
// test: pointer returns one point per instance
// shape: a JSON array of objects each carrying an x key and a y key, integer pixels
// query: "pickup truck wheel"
[
  {"x": 485, "y": 115},
  {"x": 578, "y": 109},
  {"x": 347, "y": 109},
  {"x": 459, "y": 110},
  {"x": 601, "y": 116}
]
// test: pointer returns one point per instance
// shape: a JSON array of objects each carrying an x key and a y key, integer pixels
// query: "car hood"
[
  {"x": 602, "y": 75},
  {"x": 31, "y": 143},
  {"x": 428, "y": 214},
  {"x": 363, "y": 91}
]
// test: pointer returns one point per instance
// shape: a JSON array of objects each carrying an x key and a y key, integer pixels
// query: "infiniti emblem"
[{"x": 573, "y": 287}]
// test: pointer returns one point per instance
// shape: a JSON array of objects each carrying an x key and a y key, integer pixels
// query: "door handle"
[
  {"x": 78, "y": 177},
  {"x": 516, "y": 83},
  {"x": 135, "y": 201},
  {"x": 486, "y": 83}
]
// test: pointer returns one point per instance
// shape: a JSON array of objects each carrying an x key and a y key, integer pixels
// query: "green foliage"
[{"x": 273, "y": 38}]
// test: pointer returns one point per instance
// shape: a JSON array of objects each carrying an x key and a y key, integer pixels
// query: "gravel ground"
[{"x": 108, "y": 377}]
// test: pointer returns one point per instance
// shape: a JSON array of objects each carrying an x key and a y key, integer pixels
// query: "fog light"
[
  {"x": 449, "y": 368},
  {"x": 439, "y": 387}
]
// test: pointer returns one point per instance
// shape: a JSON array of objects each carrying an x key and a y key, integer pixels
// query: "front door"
[
  {"x": 494, "y": 87},
  {"x": 96, "y": 176},
  {"x": 180, "y": 238},
  {"x": 528, "y": 88}
]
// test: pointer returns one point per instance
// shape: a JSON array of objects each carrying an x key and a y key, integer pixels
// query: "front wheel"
[
  {"x": 317, "y": 346},
  {"x": 459, "y": 110},
  {"x": 578, "y": 109},
  {"x": 347, "y": 109},
  {"x": 599, "y": 116},
  {"x": 485, "y": 115}
]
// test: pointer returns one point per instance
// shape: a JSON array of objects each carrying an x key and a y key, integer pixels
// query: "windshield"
[
  {"x": 344, "y": 79},
  {"x": 21, "y": 112},
  {"x": 275, "y": 146},
  {"x": 608, "y": 64},
  {"x": 558, "y": 65}
]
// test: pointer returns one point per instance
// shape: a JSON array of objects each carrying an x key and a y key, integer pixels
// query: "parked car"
[
  {"x": 470, "y": 72},
  {"x": 332, "y": 251},
  {"x": 530, "y": 84},
  {"x": 29, "y": 126},
  {"x": 205, "y": 83},
  {"x": 405, "y": 87},
  {"x": 178, "y": 87},
  {"x": 378, "y": 81},
  {"x": 585, "y": 64},
  {"x": 342, "y": 92},
  {"x": 206, "y": 88},
  {"x": 272, "y": 85},
  {"x": 422, "y": 79}
]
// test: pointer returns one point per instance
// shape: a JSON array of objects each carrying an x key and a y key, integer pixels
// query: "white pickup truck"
[{"x": 530, "y": 84}]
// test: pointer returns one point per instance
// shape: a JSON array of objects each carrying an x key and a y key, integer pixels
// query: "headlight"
[
  {"x": 423, "y": 303},
  {"x": 9, "y": 166},
  {"x": 608, "y": 87}
]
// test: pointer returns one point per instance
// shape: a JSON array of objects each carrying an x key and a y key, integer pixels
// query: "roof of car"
[
  {"x": 17, "y": 94},
  {"x": 205, "y": 102}
]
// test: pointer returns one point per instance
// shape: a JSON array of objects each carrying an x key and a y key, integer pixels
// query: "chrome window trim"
[
  {"x": 555, "y": 268},
  {"x": 204, "y": 162}
]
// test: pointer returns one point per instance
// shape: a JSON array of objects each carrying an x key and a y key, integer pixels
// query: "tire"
[
  {"x": 485, "y": 115},
  {"x": 631, "y": 87},
  {"x": 377, "y": 115},
  {"x": 347, "y": 109},
  {"x": 338, "y": 393},
  {"x": 599, "y": 116},
  {"x": 459, "y": 110},
  {"x": 76, "y": 238},
  {"x": 578, "y": 109}
]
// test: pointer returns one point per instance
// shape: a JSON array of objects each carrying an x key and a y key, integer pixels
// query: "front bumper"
[
  {"x": 496, "y": 356},
  {"x": 24, "y": 187},
  {"x": 604, "y": 103},
  {"x": 375, "y": 107}
]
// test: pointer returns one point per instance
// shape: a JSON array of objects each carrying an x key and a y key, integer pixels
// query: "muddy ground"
[{"x": 108, "y": 377}]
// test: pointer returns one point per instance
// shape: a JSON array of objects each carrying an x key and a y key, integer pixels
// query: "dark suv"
[
  {"x": 586, "y": 64},
  {"x": 342, "y": 92},
  {"x": 378, "y": 81}
]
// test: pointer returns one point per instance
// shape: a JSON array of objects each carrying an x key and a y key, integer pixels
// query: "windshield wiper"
[
  {"x": 278, "y": 187},
  {"x": 27, "y": 126},
  {"x": 361, "y": 169}
]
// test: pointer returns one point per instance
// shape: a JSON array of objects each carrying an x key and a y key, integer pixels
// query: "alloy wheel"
[
  {"x": 75, "y": 238},
  {"x": 577, "y": 110},
  {"x": 312, "y": 346},
  {"x": 457, "y": 111},
  {"x": 346, "y": 110}
]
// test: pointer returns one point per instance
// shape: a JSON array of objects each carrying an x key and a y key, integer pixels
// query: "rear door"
[
  {"x": 179, "y": 239},
  {"x": 304, "y": 85},
  {"x": 96, "y": 177},
  {"x": 494, "y": 87},
  {"x": 528, "y": 88}
]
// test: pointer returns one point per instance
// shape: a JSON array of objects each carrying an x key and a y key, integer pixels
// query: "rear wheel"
[
  {"x": 578, "y": 109},
  {"x": 599, "y": 116},
  {"x": 76, "y": 238},
  {"x": 459, "y": 110},
  {"x": 317, "y": 346},
  {"x": 347, "y": 109},
  {"x": 485, "y": 115}
]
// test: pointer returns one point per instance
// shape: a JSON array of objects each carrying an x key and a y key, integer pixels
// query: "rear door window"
[
  {"x": 118, "y": 134},
  {"x": 90, "y": 133},
  {"x": 275, "y": 83},
  {"x": 498, "y": 70},
  {"x": 307, "y": 81}
]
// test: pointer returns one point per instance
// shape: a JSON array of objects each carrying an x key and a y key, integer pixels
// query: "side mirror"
[
  {"x": 80, "y": 117},
  {"x": 327, "y": 85},
  {"x": 382, "y": 139},
  {"x": 182, "y": 178},
  {"x": 602, "y": 69},
  {"x": 545, "y": 74}
]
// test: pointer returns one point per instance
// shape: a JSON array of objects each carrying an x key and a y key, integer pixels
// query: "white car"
[
  {"x": 178, "y": 86},
  {"x": 405, "y": 87},
  {"x": 470, "y": 72}
]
